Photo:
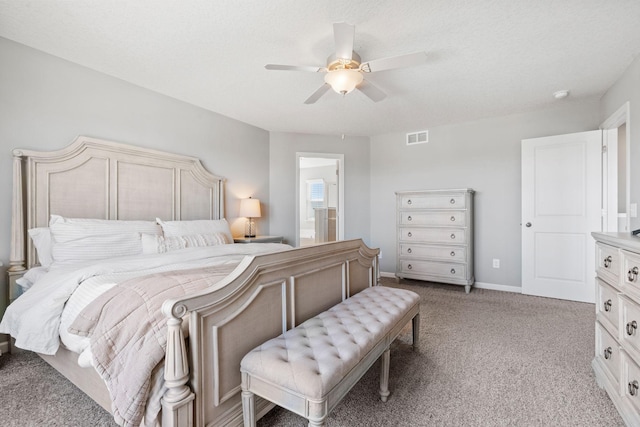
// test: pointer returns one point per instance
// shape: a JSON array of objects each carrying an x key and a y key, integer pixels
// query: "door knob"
[{"x": 528, "y": 224}]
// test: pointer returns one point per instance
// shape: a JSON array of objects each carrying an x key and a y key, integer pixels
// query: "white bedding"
[
  {"x": 39, "y": 319},
  {"x": 34, "y": 318}
]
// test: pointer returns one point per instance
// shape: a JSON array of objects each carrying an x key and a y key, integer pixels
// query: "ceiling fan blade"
[
  {"x": 317, "y": 94},
  {"x": 294, "y": 68},
  {"x": 372, "y": 92},
  {"x": 390, "y": 63},
  {"x": 343, "y": 35}
]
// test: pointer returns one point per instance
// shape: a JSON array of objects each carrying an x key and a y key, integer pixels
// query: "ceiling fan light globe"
[{"x": 343, "y": 81}]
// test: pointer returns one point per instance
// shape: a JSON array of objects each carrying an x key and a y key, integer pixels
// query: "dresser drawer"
[
  {"x": 629, "y": 324},
  {"x": 607, "y": 306},
  {"x": 456, "y": 218},
  {"x": 608, "y": 352},
  {"x": 608, "y": 263},
  {"x": 630, "y": 380},
  {"x": 432, "y": 201},
  {"x": 630, "y": 273},
  {"x": 433, "y": 235},
  {"x": 443, "y": 269},
  {"x": 440, "y": 253}
]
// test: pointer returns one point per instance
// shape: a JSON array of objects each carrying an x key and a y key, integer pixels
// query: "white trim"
[
  {"x": 340, "y": 213},
  {"x": 496, "y": 287},
  {"x": 614, "y": 121},
  {"x": 479, "y": 285}
]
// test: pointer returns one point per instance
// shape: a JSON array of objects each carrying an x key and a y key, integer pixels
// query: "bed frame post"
[
  {"x": 177, "y": 402},
  {"x": 17, "y": 256}
]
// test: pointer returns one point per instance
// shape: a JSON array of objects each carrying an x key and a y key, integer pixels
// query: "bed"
[{"x": 208, "y": 331}]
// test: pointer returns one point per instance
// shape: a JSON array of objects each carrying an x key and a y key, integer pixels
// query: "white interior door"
[{"x": 561, "y": 206}]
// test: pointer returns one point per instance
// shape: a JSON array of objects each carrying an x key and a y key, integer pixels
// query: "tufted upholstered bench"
[{"x": 311, "y": 367}]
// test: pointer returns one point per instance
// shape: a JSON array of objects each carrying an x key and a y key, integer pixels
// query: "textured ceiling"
[{"x": 485, "y": 58}]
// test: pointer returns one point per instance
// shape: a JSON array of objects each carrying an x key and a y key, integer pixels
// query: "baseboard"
[
  {"x": 479, "y": 285},
  {"x": 495, "y": 287}
]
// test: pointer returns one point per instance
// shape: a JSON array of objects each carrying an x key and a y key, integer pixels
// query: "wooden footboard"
[{"x": 265, "y": 296}]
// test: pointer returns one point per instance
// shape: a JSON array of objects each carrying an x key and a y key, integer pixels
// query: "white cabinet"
[
  {"x": 434, "y": 231},
  {"x": 617, "y": 355}
]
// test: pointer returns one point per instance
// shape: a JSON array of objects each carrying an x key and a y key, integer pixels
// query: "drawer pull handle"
[
  {"x": 453, "y": 218},
  {"x": 632, "y": 275},
  {"x": 453, "y": 236},
  {"x": 453, "y": 271},
  {"x": 607, "y": 305},
  {"x": 409, "y": 201},
  {"x": 409, "y": 266},
  {"x": 452, "y": 253},
  {"x": 409, "y": 218},
  {"x": 631, "y": 327},
  {"x": 607, "y": 261},
  {"x": 409, "y": 234},
  {"x": 607, "y": 353},
  {"x": 633, "y": 388},
  {"x": 452, "y": 201},
  {"x": 409, "y": 251}
]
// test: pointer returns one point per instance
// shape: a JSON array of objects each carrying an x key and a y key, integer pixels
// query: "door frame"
[
  {"x": 340, "y": 208},
  {"x": 610, "y": 169}
]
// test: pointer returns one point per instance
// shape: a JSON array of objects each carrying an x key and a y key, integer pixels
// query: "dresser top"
[
  {"x": 449, "y": 190},
  {"x": 622, "y": 240}
]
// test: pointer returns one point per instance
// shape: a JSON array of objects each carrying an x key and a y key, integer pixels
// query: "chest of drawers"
[
  {"x": 617, "y": 355},
  {"x": 434, "y": 230}
]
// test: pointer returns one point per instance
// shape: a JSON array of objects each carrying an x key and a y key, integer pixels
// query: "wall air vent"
[{"x": 420, "y": 137}]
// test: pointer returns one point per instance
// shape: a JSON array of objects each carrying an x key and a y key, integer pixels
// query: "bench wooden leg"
[
  {"x": 249, "y": 409},
  {"x": 384, "y": 375},
  {"x": 415, "y": 323}
]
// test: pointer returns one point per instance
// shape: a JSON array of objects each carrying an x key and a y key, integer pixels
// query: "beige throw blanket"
[{"x": 128, "y": 334}]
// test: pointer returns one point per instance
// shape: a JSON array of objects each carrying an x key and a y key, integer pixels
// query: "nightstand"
[{"x": 258, "y": 239}]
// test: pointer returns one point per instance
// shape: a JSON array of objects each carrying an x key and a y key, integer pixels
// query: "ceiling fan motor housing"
[{"x": 335, "y": 63}]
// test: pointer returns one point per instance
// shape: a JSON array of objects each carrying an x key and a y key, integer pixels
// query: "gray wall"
[
  {"x": 45, "y": 102},
  {"x": 483, "y": 155},
  {"x": 283, "y": 149},
  {"x": 627, "y": 88}
]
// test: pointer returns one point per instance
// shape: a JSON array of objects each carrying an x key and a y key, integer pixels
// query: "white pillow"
[
  {"x": 41, "y": 238},
  {"x": 93, "y": 248},
  {"x": 197, "y": 226},
  {"x": 68, "y": 229},
  {"x": 152, "y": 244}
]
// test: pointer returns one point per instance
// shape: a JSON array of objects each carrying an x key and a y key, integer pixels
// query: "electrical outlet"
[{"x": 496, "y": 263}]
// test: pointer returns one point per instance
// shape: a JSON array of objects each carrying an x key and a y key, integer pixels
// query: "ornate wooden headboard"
[{"x": 93, "y": 178}]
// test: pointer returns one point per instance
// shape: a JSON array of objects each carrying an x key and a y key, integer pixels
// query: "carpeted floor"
[{"x": 486, "y": 358}]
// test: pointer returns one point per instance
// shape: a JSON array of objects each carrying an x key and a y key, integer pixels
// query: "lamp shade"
[
  {"x": 343, "y": 80},
  {"x": 250, "y": 208}
]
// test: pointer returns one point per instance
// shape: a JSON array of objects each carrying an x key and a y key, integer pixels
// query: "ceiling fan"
[{"x": 345, "y": 70}]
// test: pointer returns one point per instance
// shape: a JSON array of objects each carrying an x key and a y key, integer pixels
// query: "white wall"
[
  {"x": 483, "y": 155},
  {"x": 283, "y": 149},
  {"x": 45, "y": 102},
  {"x": 627, "y": 88}
]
